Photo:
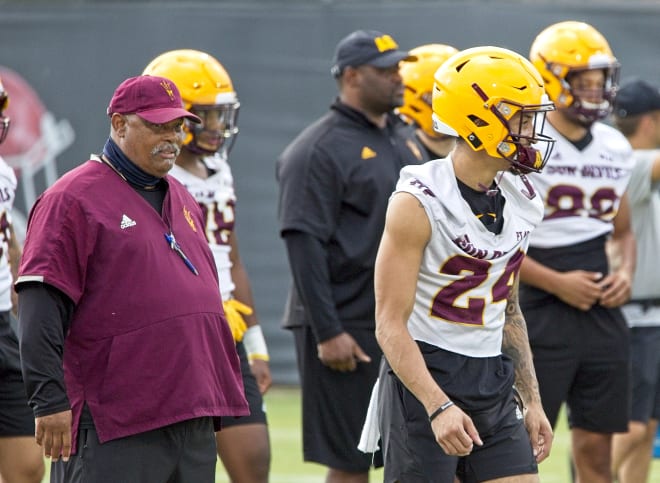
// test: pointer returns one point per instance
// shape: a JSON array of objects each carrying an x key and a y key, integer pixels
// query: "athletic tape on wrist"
[{"x": 255, "y": 344}]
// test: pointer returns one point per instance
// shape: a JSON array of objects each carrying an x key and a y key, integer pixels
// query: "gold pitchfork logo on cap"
[{"x": 168, "y": 88}]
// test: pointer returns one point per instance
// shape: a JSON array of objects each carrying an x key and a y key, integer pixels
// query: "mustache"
[{"x": 166, "y": 147}]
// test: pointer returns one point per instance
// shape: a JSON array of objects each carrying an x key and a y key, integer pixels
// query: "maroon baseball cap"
[{"x": 154, "y": 99}]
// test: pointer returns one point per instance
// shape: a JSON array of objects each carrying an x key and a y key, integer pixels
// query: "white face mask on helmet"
[
  {"x": 564, "y": 50},
  {"x": 207, "y": 91}
]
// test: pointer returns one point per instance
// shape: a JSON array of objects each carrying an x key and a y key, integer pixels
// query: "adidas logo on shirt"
[{"x": 126, "y": 222}]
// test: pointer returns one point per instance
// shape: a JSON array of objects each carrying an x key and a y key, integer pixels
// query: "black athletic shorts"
[
  {"x": 645, "y": 361},
  {"x": 583, "y": 359},
  {"x": 412, "y": 454},
  {"x": 252, "y": 394},
  {"x": 183, "y": 452},
  {"x": 334, "y": 404},
  {"x": 16, "y": 417}
]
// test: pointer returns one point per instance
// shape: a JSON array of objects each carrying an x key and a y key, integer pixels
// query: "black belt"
[{"x": 646, "y": 303}]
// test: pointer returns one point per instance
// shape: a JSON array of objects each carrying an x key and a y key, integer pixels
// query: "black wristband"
[{"x": 441, "y": 409}]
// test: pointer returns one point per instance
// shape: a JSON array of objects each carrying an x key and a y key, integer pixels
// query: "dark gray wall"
[{"x": 278, "y": 54}]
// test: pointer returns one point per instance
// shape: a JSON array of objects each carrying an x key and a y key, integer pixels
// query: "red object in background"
[
  {"x": 35, "y": 138},
  {"x": 25, "y": 112}
]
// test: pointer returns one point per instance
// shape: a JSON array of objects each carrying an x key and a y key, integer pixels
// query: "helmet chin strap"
[
  {"x": 528, "y": 190},
  {"x": 195, "y": 149},
  {"x": 523, "y": 166},
  {"x": 224, "y": 149},
  {"x": 492, "y": 191}
]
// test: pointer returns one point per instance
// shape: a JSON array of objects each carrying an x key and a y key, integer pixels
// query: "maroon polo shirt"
[{"x": 148, "y": 344}]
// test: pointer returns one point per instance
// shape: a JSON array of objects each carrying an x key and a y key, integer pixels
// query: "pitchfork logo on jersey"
[
  {"x": 189, "y": 219},
  {"x": 168, "y": 88}
]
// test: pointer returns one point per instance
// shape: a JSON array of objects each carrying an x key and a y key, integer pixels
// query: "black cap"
[
  {"x": 636, "y": 97},
  {"x": 367, "y": 47}
]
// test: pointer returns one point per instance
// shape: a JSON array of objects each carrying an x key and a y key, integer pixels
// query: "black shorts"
[
  {"x": 645, "y": 362},
  {"x": 582, "y": 358},
  {"x": 179, "y": 453},
  {"x": 16, "y": 417},
  {"x": 412, "y": 454},
  {"x": 252, "y": 394},
  {"x": 334, "y": 404}
]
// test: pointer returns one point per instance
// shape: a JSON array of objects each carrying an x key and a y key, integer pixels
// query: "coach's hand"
[
  {"x": 53, "y": 433},
  {"x": 341, "y": 353},
  {"x": 455, "y": 432}
]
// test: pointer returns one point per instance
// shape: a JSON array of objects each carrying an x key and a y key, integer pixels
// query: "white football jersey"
[
  {"x": 582, "y": 190},
  {"x": 217, "y": 199},
  {"x": 466, "y": 271},
  {"x": 7, "y": 196}
]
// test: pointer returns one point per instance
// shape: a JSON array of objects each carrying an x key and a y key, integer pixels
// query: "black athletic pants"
[{"x": 184, "y": 452}]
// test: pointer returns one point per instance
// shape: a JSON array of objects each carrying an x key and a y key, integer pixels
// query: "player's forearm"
[
  {"x": 407, "y": 362},
  {"x": 14, "y": 252},
  {"x": 515, "y": 344},
  {"x": 538, "y": 275},
  {"x": 627, "y": 249}
]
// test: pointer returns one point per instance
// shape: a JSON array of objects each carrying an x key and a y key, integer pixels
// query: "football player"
[
  {"x": 569, "y": 295},
  {"x": 21, "y": 459},
  {"x": 203, "y": 167},
  {"x": 447, "y": 314},
  {"x": 418, "y": 84}
]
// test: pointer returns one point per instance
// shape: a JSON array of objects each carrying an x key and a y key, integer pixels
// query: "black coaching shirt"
[{"x": 335, "y": 181}]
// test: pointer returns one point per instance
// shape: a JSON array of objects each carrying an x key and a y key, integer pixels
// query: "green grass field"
[{"x": 283, "y": 405}]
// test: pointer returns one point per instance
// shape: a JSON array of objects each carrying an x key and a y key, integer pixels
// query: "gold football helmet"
[
  {"x": 476, "y": 93},
  {"x": 565, "y": 48},
  {"x": 207, "y": 91},
  {"x": 418, "y": 84},
  {"x": 4, "y": 120}
]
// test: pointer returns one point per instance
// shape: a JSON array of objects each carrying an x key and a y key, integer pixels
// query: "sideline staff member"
[
  {"x": 126, "y": 353},
  {"x": 335, "y": 179}
]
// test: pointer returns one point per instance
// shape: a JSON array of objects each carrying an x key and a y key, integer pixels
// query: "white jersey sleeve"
[
  {"x": 7, "y": 197},
  {"x": 216, "y": 196},
  {"x": 582, "y": 189},
  {"x": 466, "y": 271}
]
